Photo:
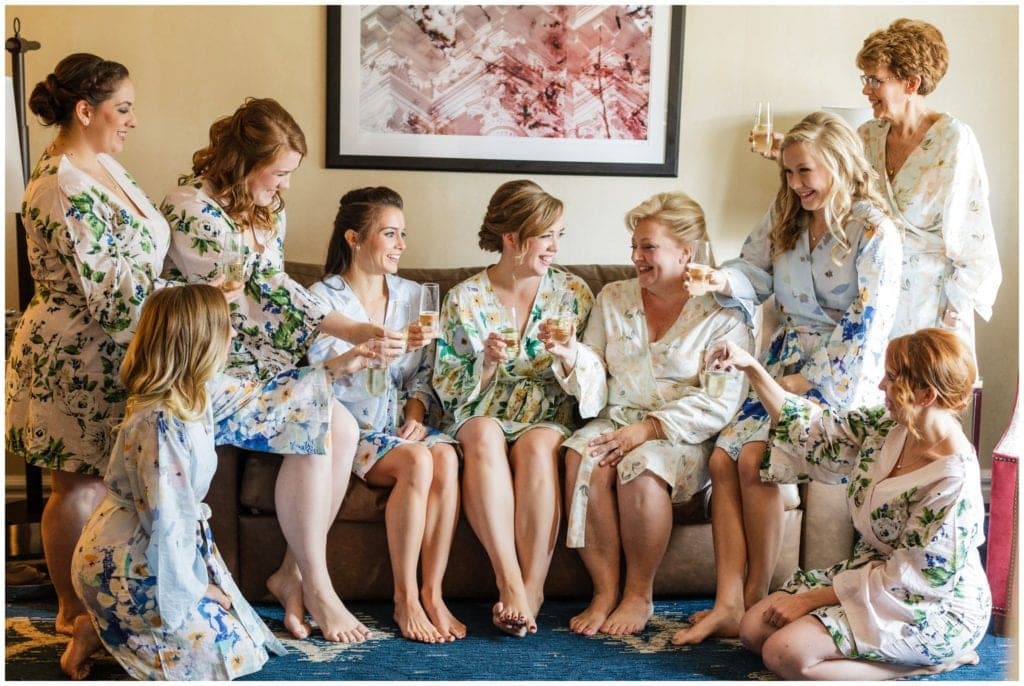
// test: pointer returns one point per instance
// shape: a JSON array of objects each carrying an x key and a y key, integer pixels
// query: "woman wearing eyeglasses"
[{"x": 931, "y": 171}]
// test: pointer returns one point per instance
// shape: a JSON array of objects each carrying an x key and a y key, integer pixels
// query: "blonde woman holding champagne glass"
[{"x": 398, "y": 448}]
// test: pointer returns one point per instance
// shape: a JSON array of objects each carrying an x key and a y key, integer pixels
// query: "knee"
[
  {"x": 752, "y": 631},
  {"x": 445, "y": 468},
  {"x": 722, "y": 467},
  {"x": 750, "y": 473},
  {"x": 782, "y": 657},
  {"x": 417, "y": 468},
  {"x": 343, "y": 425}
]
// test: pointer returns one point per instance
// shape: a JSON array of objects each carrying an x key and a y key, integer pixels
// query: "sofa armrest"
[
  {"x": 223, "y": 499},
  {"x": 828, "y": 528}
]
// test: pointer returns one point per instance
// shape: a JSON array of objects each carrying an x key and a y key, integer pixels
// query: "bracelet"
[{"x": 657, "y": 427}]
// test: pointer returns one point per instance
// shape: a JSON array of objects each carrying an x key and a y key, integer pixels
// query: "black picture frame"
[{"x": 342, "y": 156}]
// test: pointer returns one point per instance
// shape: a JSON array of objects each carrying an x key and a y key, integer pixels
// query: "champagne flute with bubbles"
[
  {"x": 761, "y": 134},
  {"x": 232, "y": 263},
  {"x": 559, "y": 322},
  {"x": 430, "y": 299},
  {"x": 699, "y": 267}
]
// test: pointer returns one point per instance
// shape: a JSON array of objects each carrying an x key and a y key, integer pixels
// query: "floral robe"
[
  {"x": 146, "y": 555},
  {"x": 93, "y": 259},
  {"x": 914, "y": 591},
  {"x": 939, "y": 199},
  {"x": 276, "y": 319},
  {"x": 622, "y": 377},
  {"x": 524, "y": 391},
  {"x": 834, "y": 319},
  {"x": 380, "y": 416}
]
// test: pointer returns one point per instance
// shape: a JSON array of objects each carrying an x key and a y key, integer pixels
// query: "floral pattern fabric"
[
  {"x": 621, "y": 377},
  {"x": 94, "y": 259},
  {"x": 939, "y": 199},
  {"x": 834, "y": 319},
  {"x": 146, "y": 556},
  {"x": 524, "y": 391},
  {"x": 380, "y": 416},
  {"x": 276, "y": 319},
  {"x": 914, "y": 591}
]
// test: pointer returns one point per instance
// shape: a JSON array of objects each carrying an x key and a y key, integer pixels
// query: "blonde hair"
[
  {"x": 242, "y": 144},
  {"x": 908, "y": 47},
  {"x": 678, "y": 211},
  {"x": 520, "y": 207},
  {"x": 834, "y": 145},
  {"x": 933, "y": 359},
  {"x": 180, "y": 343}
]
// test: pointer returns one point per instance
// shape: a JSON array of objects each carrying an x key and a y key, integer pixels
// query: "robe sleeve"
[
  {"x": 967, "y": 231},
  {"x": 850, "y": 362},
  {"x": 750, "y": 276},
  {"x": 819, "y": 443},
  {"x": 458, "y": 365},
  {"x": 588, "y": 381},
  {"x": 168, "y": 510}
]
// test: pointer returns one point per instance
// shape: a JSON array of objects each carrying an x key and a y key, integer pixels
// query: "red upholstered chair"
[{"x": 1001, "y": 560}]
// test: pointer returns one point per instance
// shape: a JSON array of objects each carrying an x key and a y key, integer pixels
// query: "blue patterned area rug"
[{"x": 554, "y": 653}]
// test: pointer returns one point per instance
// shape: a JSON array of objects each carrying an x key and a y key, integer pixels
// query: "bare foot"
[
  {"x": 699, "y": 616},
  {"x": 630, "y": 617},
  {"x": 336, "y": 623},
  {"x": 970, "y": 658},
  {"x": 414, "y": 624},
  {"x": 513, "y": 624},
  {"x": 67, "y": 613},
  {"x": 287, "y": 589},
  {"x": 441, "y": 617},
  {"x": 722, "y": 622},
  {"x": 590, "y": 620},
  {"x": 76, "y": 662}
]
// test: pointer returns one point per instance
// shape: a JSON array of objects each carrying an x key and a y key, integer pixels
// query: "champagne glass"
[
  {"x": 376, "y": 370},
  {"x": 699, "y": 267},
  {"x": 232, "y": 263},
  {"x": 559, "y": 323},
  {"x": 510, "y": 334},
  {"x": 762, "y": 131},
  {"x": 430, "y": 299},
  {"x": 714, "y": 380}
]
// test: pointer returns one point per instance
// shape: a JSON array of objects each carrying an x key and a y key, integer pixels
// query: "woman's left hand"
[
  {"x": 419, "y": 336},
  {"x": 233, "y": 292},
  {"x": 786, "y": 608},
  {"x": 564, "y": 352},
  {"x": 412, "y": 430},
  {"x": 795, "y": 383},
  {"x": 614, "y": 445},
  {"x": 351, "y": 361}
]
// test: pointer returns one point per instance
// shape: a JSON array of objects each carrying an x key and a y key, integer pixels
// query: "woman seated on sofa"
[
  {"x": 831, "y": 257},
  {"x": 638, "y": 370},
  {"x": 509, "y": 413},
  {"x": 913, "y": 598},
  {"x": 397, "y": 449}
]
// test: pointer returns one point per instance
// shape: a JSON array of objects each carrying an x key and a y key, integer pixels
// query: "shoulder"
[
  {"x": 868, "y": 220},
  {"x": 188, "y": 191},
  {"x": 872, "y": 129},
  {"x": 332, "y": 288},
  {"x": 618, "y": 290},
  {"x": 562, "y": 278},
  {"x": 475, "y": 283},
  {"x": 407, "y": 289}
]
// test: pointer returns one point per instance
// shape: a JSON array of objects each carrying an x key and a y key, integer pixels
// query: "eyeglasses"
[{"x": 873, "y": 83}]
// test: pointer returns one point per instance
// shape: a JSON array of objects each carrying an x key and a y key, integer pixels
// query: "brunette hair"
[
  {"x": 835, "y": 146},
  {"x": 678, "y": 211},
  {"x": 180, "y": 343},
  {"x": 241, "y": 144},
  {"x": 79, "y": 76},
  {"x": 358, "y": 210},
  {"x": 908, "y": 47},
  {"x": 520, "y": 207},
  {"x": 933, "y": 359}
]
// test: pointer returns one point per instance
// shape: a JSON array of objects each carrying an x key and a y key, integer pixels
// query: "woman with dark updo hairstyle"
[
  {"x": 508, "y": 410},
  {"x": 96, "y": 247},
  {"x": 398, "y": 447}
]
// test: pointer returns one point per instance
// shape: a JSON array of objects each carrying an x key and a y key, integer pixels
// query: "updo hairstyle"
[
  {"x": 358, "y": 210},
  {"x": 80, "y": 76},
  {"x": 908, "y": 47},
  {"x": 678, "y": 211},
  {"x": 520, "y": 207}
]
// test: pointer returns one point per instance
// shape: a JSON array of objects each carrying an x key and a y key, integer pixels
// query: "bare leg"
[
  {"x": 730, "y": 555},
  {"x": 602, "y": 554},
  {"x": 304, "y": 496},
  {"x": 645, "y": 513},
  {"x": 75, "y": 662},
  {"x": 763, "y": 518},
  {"x": 804, "y": 650},
  {"x": 73, "y": 498},
  {"x": 534, "y": 459},
  {"x": 486, "y": 487},
  {"x": 442, "y": 517},
  {"x": 408, "y": 469},
  {"x": 754, "y": 631}
]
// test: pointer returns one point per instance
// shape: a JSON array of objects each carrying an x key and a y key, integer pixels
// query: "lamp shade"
[
  {"x": 14, "y": 180},
  {"x": 854, "y": 116}
]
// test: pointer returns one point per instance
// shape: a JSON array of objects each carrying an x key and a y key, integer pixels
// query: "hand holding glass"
[
  {"x": 429, "y": 306},
  {"x": 510, "y": 335},
  {"x": 232, "y": 263},
  {"x": 699, "y": 267},
  {"x": 560, "y": 322},
  {"x": 761, "y": 134},
  {"x": 376, "y": 369}
]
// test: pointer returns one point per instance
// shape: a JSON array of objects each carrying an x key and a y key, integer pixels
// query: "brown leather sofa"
[{"x": 817, "y": 526}]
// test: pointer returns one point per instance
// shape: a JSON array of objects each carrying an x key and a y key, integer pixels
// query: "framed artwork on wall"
[{"x": 548, "y": 89}]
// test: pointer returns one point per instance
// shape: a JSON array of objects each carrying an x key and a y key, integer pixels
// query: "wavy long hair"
[
  {"x": 180, "y": 343},
  {"x": 358, "y": 210},
  {"x": 242, "y": 144},
  {"x": 834, "y": 145}
]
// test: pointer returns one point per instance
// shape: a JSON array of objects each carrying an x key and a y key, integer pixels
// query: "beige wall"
[{"x": 193, "y": 64}]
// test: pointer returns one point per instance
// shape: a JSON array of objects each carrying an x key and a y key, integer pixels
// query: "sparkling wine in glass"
[
  {"x": 699, "y": 267},
  {"x": 429, "y": 306},
  {"x": 762, "y": 131},
  {"x": 510, "y": 334},
  {"x": 559, "y": 323},
  {"x": 376, "y": 370},
  {"x": 232, "y": 263}
]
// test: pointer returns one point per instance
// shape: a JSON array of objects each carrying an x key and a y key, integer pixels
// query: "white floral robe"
[
  {"x": 524, "y": 392},
  {"x": 277, "y": 318},
  {"x": 621, "y": 377},
  {"x": 146, "y": 556},
  {"x": 939, "y": 199},
  {"x": 914, "y": 591},
  {"x": 94, "y": 259},
  {"x": 380, "y": 416},
  {"x": 834, "y": 319}
]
